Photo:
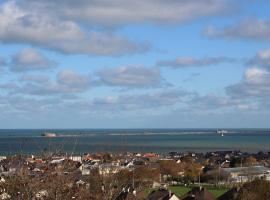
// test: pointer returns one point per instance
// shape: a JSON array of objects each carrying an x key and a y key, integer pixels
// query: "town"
[{"x": 190, "y": 175}]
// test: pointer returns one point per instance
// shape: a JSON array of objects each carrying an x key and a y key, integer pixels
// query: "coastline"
[{"x": 159, "y": 140}]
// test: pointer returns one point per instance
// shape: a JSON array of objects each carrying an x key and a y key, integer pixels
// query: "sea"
[{"x": 80, "y": 141}]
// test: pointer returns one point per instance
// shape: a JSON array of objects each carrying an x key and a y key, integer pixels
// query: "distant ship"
[
  {"x": 222, "y": 132},
  {"x": 48, "y": 134}
]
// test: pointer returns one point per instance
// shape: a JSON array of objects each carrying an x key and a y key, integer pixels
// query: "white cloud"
[
  {"x": 182, "y": 62},
  {"x": 73, "y": 79},
  {"x": 255, "y": 84},
  {"x": 30, "y": 59},
  {"x": 67, "y": 82},
  {"x": 262, "y": 59},
  {"x": 118, "y": 12},
  {"x": 34, "y": 78},
  {"x": 146, "y": 101},
  {"x": 255, "y": 75},
  {"x": 131, "y": 76},
  {"x": 257, "y": 29},
  {"x": 108, "y": 106},
  {"x": 2, "y": 62},
  {"x": 28, "y": 26},
  {"x": 264, "y": 54}
]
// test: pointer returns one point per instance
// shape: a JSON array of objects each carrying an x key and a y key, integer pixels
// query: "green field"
[{"x": 181, "y": 190}]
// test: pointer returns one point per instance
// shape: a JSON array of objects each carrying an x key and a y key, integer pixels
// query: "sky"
[{"x": 134, "y": 64}]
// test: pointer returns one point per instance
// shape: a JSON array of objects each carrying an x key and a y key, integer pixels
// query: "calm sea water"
[{"x": 134, "y": 140}]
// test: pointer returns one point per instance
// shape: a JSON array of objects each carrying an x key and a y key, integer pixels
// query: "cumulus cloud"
[
  {"x": 70, "y": 82},
  {"x": 73, "y": 79},
  {"x": 34, "y": 78},
  {"x": 210, "y": 101},
  {"x": 118, "y": 12},
  {"x": 144, "y": 101},
  {"x": 27, "y": 26},
  {"x": 255, "y": 83},
  {"x": 2, "y": 62},
  {"x": 119, "y": 106},
  {"x": 262, "y": 59},
  {"x": 30, "y": 59},
  {"x": 256, "y": 79},
  {"x": 176, "y": 102},
  {"x": 152, "y": 104},
  {"x": 67, "y": 82},
  {"x": 183, "y": 62},
  {"x": 131, "y": 76},
  {"x": 219, "y": 103},
  {"x": 115, "y": 104},
  {"x": 257, "y": 29}
]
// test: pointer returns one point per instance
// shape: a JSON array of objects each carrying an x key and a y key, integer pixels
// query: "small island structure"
[{"x": 48, "y": 134}]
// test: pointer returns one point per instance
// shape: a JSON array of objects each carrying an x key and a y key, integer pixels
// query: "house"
[
  {"x": 5, "y": 196},
  {"x": 76, "y": 158},
  {"x": 10, "y": 172},
  {"x": 199, "y": 193},
  {"x": 85, "y": 169},
  {"x": 87, "y": 157},
  {"x": 244, "y": 174},
  {"x": 3, "y": 158},
  {"x": 106, "y": 169},
  {"x": 80, "y": 183},
  {"x": 2, "y": 169},
  {"x": 162, "y": 194},
  {"x": 151, "y": 156},
  {"x": 156, "y": 184},
  {"x": 43, "y": 194},
  {"x": 57, "y": 160},
  {"x": 2, "y": 180}
]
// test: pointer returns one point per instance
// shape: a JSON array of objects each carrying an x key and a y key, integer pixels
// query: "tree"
[
  {"x": 215, "y": 175},
  {"x": 192, "y": 172},
  {"x": 235, "y": 162},
  {"x": 250, "y": 161}
]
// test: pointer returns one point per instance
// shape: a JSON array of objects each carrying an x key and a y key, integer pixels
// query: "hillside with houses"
[{"x": 122, "y": 176}]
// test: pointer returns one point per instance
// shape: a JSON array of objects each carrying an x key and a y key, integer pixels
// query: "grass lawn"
[
  {"x": 181, "y": 190},
  {"x": 218, "y": 191}
]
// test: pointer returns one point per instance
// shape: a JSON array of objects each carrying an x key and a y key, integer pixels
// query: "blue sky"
[{"x": 134, "y": 64}]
